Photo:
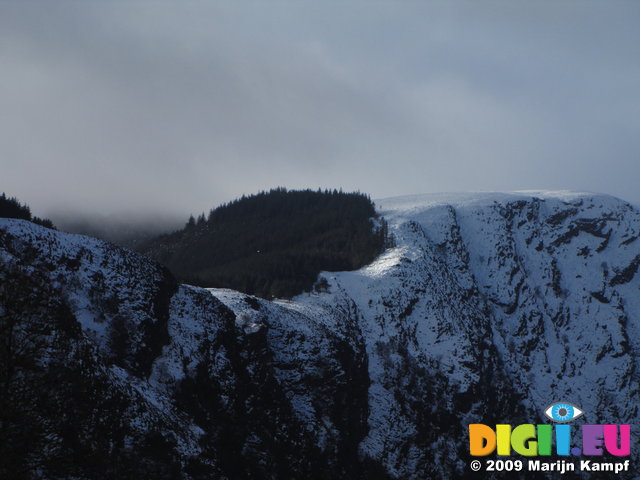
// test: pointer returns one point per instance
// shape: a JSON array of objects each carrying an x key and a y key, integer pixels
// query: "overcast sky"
[{"x": 175, "y": 107}]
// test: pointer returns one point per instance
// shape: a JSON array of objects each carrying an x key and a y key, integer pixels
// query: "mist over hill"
[{"x": 127, "y": 230}]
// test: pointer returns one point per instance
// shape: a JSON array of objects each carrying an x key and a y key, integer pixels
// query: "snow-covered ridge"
[
  {"x": 412, "y": 207},
  {"x": 460, "y": 199},
  {"x": 540, "y": 286}
]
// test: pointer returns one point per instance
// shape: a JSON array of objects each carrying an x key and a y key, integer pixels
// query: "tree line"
[
  {"x": 274, "y": 243},
  {"x": 10, "y": 207}
]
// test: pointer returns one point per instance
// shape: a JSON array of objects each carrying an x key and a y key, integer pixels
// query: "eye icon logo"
[{"x": 562, "y": 412}]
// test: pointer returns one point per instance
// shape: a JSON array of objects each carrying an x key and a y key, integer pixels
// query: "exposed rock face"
[{"x": 489, "y": 308}]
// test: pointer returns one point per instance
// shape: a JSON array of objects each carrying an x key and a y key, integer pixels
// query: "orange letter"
[{"x": 482, "y": 440}]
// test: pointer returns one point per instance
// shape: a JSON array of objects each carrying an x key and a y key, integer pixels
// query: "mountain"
[
  {"x": 488, "y": 308},
  {"x": 275, "y": 243}
]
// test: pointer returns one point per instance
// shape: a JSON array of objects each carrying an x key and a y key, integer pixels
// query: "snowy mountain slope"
[
  {"x": 557, "y": 271},
  {"x": 199, "y": 392},
  {"x": 489, "y": 308},
  {"x": 545, "y": 280}
]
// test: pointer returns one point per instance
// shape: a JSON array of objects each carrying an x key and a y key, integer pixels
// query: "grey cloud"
[{"x": 173, "y": 107}]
